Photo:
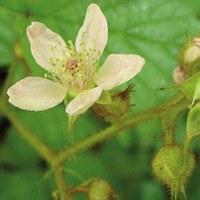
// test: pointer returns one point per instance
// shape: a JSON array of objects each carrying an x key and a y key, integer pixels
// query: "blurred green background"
[{"x": 154, "y": 29}]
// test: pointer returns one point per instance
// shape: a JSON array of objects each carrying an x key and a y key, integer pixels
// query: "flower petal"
[
  {"x": 83, "y": 101},
  {"x": 94, "y": 31},
  {"x": 42, "y": 41},
  {"x": 118, "y": 69},
  {"x": 34, "y": 93}
]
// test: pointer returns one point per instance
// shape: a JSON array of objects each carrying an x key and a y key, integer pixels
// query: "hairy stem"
[
  {"x": 103, "y": 135},
  {"x": 170, "y": 115},
  {"x": 156, "y": 112}
]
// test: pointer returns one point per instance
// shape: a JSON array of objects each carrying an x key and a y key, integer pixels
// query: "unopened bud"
[
  {"x": 193, "y": 52},
  {"x": 172, "y": 166},
  {"x": 189, "y": 55},
  {"x": 100, "y": 190},
  {"x": 117, "y": 108}
]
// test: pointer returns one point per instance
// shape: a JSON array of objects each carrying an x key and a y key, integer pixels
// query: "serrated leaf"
[{"x": 147, "y": 33}]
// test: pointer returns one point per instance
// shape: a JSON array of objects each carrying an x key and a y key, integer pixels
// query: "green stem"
[
  {"x": 156, "y": 112},
  {"x": 170, "y": 115},
  {"x": 103, "y": 135},
  {"x": 46, "y": 152},
  {"x": 28, "y": 135},
  {"x": 60, "y": 182},
  {"x": 186, "y": 146}
]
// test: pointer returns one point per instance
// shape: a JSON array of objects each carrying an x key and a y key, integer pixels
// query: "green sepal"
[
  {"x": 115, "y": 106},
  {"x": 71, "y": 121},
  {"x": 193, "y": 122},
  {"x": 105, "y": 98},
  {"x": 191, "y": 87}
]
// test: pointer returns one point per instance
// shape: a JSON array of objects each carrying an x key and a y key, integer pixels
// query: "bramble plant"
[{"x": 76, "y": 77}]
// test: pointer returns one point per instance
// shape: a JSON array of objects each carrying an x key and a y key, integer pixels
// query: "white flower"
[{"x": 71, "y": 69}]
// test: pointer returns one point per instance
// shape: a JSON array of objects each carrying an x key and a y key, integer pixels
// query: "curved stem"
[
  {"x": 156, "y": 112},
  {"x": 103, "y": 135},
  {"x": 47, "y": 153}
]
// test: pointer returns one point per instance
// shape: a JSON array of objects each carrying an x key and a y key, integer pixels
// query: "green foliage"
[
  {"x": 22, "y": 184},
  {"x": 152, "y": 28}
]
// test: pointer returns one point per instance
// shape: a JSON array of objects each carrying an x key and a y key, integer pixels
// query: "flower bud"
[
  {"x": 119, "y": 105},
  {"x": 172, "y": 166},
  {"x": 189, "y": 55},
  {"x": 178, "y": 75},
  {"x": 193, "y": 52},
  {"x": 100, "y": 190}
]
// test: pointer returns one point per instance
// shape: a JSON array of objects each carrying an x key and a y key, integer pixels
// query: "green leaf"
[
  {"x": 145, "y": 28},
  {"x": 17, "y": 152},
  {"x": 22, "y": 185},
  {"x": 7, "y": 38},
  {"x": 193, "y": 122}
]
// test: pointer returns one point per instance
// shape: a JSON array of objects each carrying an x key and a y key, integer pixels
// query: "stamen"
[{"x": 73, "y": 69}]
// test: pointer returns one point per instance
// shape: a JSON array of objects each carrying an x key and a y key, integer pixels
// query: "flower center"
[
  {"x": 73, "y": 68},
  {"x": 68, "y": 66}
]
